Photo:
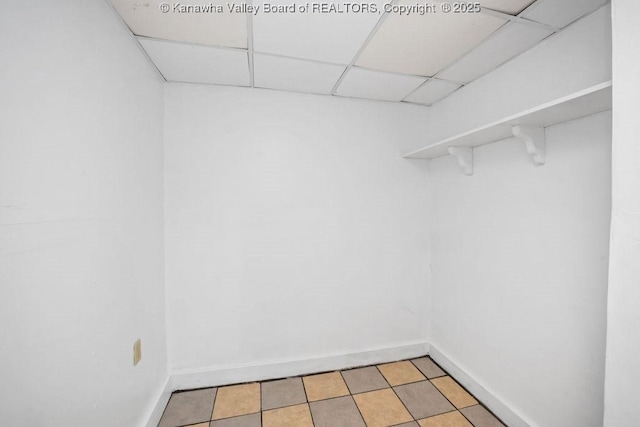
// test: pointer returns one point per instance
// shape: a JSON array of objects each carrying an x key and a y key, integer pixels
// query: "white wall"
[
  {"x": 294, "y": 229},
  {"x": 520, "y": 271},
  {"x": 80, "y": 218},
  {"x": 623, "y": 346}
]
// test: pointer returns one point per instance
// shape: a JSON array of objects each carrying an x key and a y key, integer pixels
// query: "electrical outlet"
[{"x": 137, "y": 352}]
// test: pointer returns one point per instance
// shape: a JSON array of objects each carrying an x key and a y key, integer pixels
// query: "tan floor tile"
[
  {"x": 454, "y": 392},
  {"x": 398, "y": 373},
  {"x": 325, "y": 386},
  {"x": 291, "y": 416},
  {"x": 237, "y": 400},
  {"x": 382, "y": 408},
  {"x": 451, "y": 419}
]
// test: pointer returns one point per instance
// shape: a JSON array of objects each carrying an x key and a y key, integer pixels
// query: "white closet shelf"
[{"x": 578, "y": 104}]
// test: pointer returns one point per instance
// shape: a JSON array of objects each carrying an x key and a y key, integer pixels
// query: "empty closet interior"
[{"x": 261, "y": 195}]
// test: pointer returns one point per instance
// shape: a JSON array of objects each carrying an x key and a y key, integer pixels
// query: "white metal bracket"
[
  {"x": 465, "y": 158},
  {"x": 534, "y": 139}
]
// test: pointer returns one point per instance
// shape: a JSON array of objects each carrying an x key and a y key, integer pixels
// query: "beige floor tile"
[
  {"x": 451, "y": 419},
  {"x": 382, "y": 408},
  {"x": 398, "y": 373},
  {"x": 237, "y": 400},
  {"x": 291, "y": 416},
  {"x": 454, "y": 392},
  {"x": 325, "y": 386}
]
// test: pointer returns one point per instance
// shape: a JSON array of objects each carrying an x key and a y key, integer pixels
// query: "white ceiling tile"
[
  {"x": 361, "y": 83},
  {"x": 560, "y": 13},
  {"x": 145, "y": 18},
  {"x": 294, "y": 74},
  {"x": 425, "y": 44},
  {"x": 198, "y": 64},
  {"x": 330, "y": 37},
  {"x": 432, "y": 91},
  {"x": 512, "y": 7},
  {"x": 504, "y": 44}
]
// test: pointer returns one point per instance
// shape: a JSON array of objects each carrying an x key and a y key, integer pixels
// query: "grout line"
[
  {"x": 362, "y": 48},
  {"x": 443, "y": 395},
  {"x": 310, "y": 413},
  {"x": 352, "y": 399},
  {"x": 345, "y": 382},
  {"x": 304, "y": 388},
  {"x": 444, "y": 413},
  {"x": 214, "y": 404},
  {"x": 260, "y": 388},
  {"x": 396, "y": 394},
  {"x": 465, "y": 417},
  {"x": 425, "y": 375}
]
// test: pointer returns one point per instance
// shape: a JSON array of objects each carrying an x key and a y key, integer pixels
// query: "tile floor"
[{"x": 408, "y": 393}]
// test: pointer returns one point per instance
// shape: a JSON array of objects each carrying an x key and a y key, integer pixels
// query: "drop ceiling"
[{"x": 401, "y": 51}]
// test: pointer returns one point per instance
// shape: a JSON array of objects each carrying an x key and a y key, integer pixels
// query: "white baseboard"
[
  {"x": 232, "y": 374},
  {"x": 161, "y": 403},
  {"x": 480, "y": 391}
]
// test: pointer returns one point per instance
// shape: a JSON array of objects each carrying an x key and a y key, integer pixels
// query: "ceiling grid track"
[
  {"x": 362, "y": 48},
  {"x": 195, "y": 44},
  {"x": 250, "y": 45},
  {"x": 133, "y": 36},
  {"x": 519, "y": 19}
]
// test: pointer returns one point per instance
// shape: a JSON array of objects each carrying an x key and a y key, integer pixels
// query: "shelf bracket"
[
  {"x": 465, "y": 158},
  {"x": 534, "y": 139}
]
